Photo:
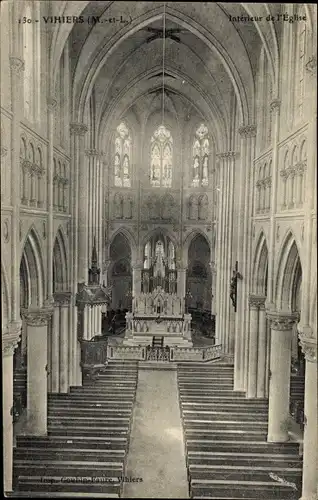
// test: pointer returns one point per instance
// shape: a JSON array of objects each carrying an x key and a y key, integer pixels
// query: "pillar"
[
  {"x": 310, "y": 455},
  {"x": 37, "y": 324},
  {"x": 55, "y": 350},
  {"x": 254, "y": 303},
  {"x": 181, "y": 282},
  {"x": 136, "y": 279},
  {"x": 64, "y": 361},
  {"x": 262, "y": 351},
  {"x": 280, "y": 361},
  {"x": 17, "y": 67},
  {"x": 243, "y": 252},
  {"x": 10, "y": 339},
  {"x": 72, "y": 341}
]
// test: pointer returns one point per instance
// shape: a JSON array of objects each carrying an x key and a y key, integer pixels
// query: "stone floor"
[{"x": 156, "y": 454}]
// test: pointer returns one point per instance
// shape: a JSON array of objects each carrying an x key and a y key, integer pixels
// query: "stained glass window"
[
  {"x": 122, "y": 159},
  {"x": 161, "y": 158},
  {"x": 200, "y": 157}
]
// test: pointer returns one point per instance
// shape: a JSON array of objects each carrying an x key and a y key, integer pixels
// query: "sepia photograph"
[{"x": 158, "y": 249}]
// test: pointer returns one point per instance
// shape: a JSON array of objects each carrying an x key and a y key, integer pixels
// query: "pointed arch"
[
  {"x": 125, "y": 232},
  {"x": 33, "y": 269},
  {"x": 192, "y": 235},
  {"x": 289, "y": 267},
  {"x": 60, "y": 263},
  {"x": 259, "y": 277}
]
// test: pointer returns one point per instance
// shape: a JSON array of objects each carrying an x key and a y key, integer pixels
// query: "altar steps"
[
  {"x": 225, "y": 436},
  {"x": 86, "y": 448}
]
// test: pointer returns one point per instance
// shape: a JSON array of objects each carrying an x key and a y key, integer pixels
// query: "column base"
[{"x": 278, "y": 438}]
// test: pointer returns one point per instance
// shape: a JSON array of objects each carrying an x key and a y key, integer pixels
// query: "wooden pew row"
[
  {"x": 86, "y": 447},
  {"x": 225, "y": 436}
]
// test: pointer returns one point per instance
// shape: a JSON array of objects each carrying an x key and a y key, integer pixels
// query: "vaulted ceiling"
[{"x": 210, "y": 61}]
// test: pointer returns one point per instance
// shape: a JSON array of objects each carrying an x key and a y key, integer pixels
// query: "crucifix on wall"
[{"x": 233, "y": 285}]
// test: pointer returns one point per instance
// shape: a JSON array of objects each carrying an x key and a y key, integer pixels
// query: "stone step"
[{"x": 223, "y": 407}]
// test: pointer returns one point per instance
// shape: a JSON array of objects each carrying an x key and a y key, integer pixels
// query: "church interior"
[{"x": 158, "y": 264}]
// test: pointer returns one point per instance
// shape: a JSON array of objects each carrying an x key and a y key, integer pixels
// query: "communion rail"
[{"x": 96, "y": 354}]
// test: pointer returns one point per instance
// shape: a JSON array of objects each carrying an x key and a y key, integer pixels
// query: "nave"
[{"x": 139, "y": 433}]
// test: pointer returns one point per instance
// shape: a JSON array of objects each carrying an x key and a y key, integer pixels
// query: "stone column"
[
  {"x": 244, "y": 232},
  {"x": 254, "y": 303},
  {"x": 51, "y": 106},
  {"x": 64, "y": 361},
  {"x": 55, "y": 350},
  {"x": 262, "y": 351},
  {"x": 136, "y": 278},
  {"x": 310, "y": 460},
  {"x": 83, "y": 223},
  {"x": 181, "y": 281},
  {"x": 280, "y": 361},
  {"x": 17, "y": 67},
  {"x": 37, "y": 321},
  {"x": 213, "y": 277},
  {"x": 10, "y": 339},
  {"x": 72, "y": 341}
]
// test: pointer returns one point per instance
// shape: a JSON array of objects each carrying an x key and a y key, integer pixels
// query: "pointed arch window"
[
  {"x": 122, "y": 159},
  {"x": 200, "y": 157},
  {"x": 161, "y": 158}
]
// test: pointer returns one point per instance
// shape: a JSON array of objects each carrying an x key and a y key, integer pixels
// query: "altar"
[{"x": 160, "y": 315}]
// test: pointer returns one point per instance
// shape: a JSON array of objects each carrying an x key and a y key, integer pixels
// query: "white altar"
[{"x": 158, "y": 314}]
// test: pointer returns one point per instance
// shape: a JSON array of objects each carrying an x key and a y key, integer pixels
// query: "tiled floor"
[{"x": 156, "y": 454}]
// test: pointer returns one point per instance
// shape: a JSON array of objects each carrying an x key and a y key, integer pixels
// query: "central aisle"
[{"x": 156, "y": 452}]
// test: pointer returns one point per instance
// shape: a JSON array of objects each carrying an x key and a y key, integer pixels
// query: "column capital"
[
  {"x": 247, "y": 131},
  {"x": 17, "y": 65},
  {"x": 78, "y": 128},
  {"x": 11, "y": 337},
  {"x": 308, "y": 343},
  {"x": 93, "y": 153},
  {"x": 51, "y": 102},
  {"x": 256, "y": 301},
  {"x": 37, "y": 317},
  {"x": 275, "y": 104},
  {"x": 281, "y": 321},
  {"x": 62, "y": 298},
  {"x": 137, "y": 266},
  {"x": 227, "y": 154}
]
